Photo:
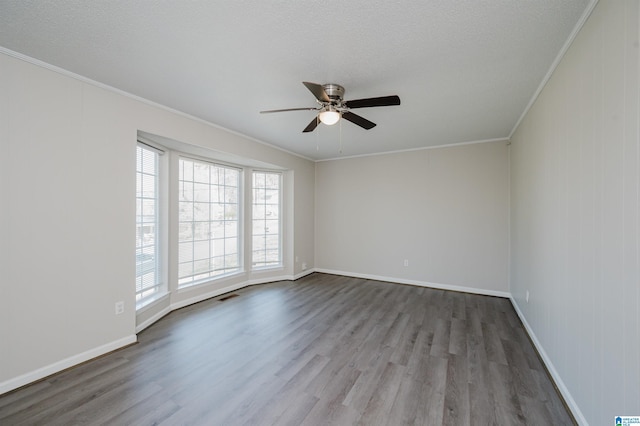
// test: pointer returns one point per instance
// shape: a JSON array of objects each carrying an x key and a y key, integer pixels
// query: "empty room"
[{"x": 310, "y": 213}]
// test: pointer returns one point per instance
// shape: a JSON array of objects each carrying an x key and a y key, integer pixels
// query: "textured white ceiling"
[{"x": 464, "y": 69}]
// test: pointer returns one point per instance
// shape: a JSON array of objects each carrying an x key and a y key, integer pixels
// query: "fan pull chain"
[
  {"x": 340, "y": 124},
  {"x": 317, "y": 134}
]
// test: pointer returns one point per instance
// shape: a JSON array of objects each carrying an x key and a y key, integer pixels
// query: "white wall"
[
  {"x": 575, "y": 167},
  {"x": 67, "y": 224},
  {"x": 445, "y": 210}
]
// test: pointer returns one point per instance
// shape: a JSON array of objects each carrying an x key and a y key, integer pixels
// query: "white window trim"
[{"x": 161, "y": 232}]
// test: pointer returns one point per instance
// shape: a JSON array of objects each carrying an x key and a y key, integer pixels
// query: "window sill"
[
  {"x": 150, "y": 304},
  {"x": 218, "y": 279},
  {"x": 268, "y": 268}
]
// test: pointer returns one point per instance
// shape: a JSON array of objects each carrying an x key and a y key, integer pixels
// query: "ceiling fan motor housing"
[{"x": 335, "y": 92}]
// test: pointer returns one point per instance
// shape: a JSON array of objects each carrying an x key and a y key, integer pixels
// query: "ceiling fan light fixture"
[{"x": 329, "y": 117}]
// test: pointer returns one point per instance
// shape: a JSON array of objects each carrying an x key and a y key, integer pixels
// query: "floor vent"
[{"x": 227, "y": 297}]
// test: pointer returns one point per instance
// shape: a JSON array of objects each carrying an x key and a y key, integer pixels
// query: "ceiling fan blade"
[
  {"x": 373, "y": 102},
  {"x": 360, "y": 121},
  {"x": 311, "y": 127},
  {"x": 288, "y": 109},
  {"x": 318, "y": 91}
]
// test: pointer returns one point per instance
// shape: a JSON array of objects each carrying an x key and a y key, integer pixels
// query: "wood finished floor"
[{"x": 322, "y": 350}]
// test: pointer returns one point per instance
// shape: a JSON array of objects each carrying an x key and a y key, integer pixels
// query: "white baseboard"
[
  {"x": 303, "y": 274},
  {"x": 153, "y": 319},
  {"x": 473, "y": 290},
  {"x": 56, "y": 367},
  {"x": 571, "y": 403},
  {"x": 269, "y": 280}
]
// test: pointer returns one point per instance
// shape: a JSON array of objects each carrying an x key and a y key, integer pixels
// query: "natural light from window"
[
  {"x": 209, "y": 225},
  {"x": 266, "y": 216}
]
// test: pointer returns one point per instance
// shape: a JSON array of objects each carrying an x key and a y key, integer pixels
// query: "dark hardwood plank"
[
  {"x": 441, "y": 336},
  {"x": 456, "y": 400},
  {"x": 507, "y": 403},
  {"x": 417, "y": 364},
  {"x": 365, "y": 386},
  {"x": 493, "y": 344},
  {"x": 431, "y": 409},
  {"x": 325, "y": 349},
  {"x": 458, "y": 337},
  {"x": 404, "y": 410},
  {"x": 481, "y": 399},
  {"x": 384, "y": 395},
  {"x": 404, "y": 348}
]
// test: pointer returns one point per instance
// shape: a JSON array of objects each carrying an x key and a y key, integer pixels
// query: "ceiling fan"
[{"x": 332, "y": 107}]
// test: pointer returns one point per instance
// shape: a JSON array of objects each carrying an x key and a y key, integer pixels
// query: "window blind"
[{"x": 148, "y": 280}]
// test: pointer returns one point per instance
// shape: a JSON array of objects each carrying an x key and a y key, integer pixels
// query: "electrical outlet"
[
  {"x": 406, "y": 262},
  {"x": 119, "y": 307},
  {"x": 527, "y": 296},
  {"x": 304, "y": 266}
]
